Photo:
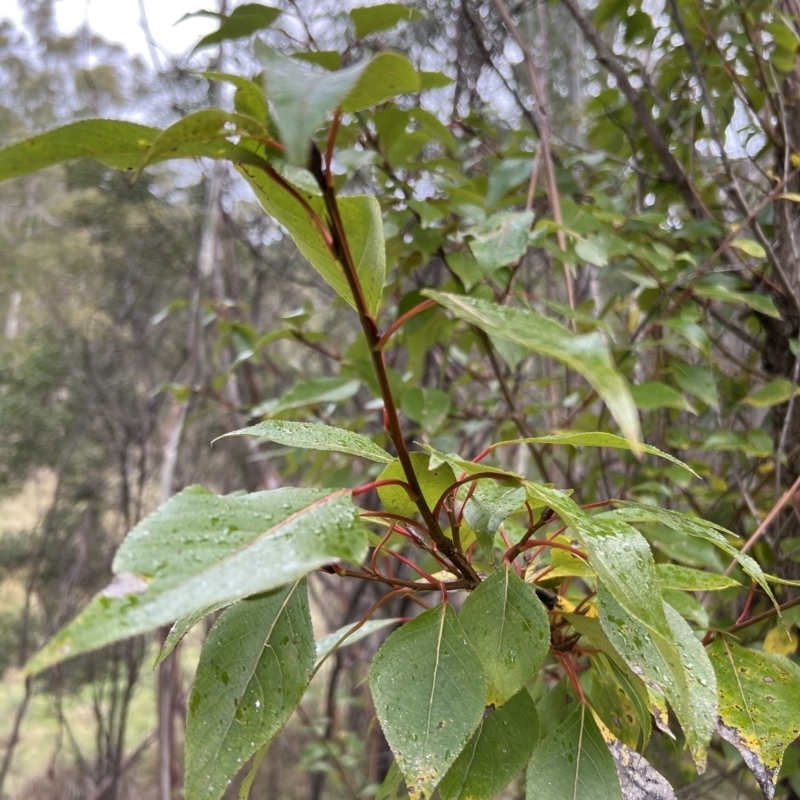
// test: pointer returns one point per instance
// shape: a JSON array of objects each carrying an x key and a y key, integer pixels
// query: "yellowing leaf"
[{"x": 780, "y": 642}]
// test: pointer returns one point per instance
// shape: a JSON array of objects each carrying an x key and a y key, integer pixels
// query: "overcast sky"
[{"x": 120, "y": 21}]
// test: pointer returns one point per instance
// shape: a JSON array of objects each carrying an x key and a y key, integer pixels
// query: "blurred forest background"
[{"x": 140, "y": 321}]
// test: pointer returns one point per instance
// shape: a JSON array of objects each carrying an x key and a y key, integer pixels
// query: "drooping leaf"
[
  {"x": 428, "y": 688},
  {"x": 573, "y": 763},
  {"x": 433, "y": 483},
  {"x": 327, "y": 59},
  {"x": 459, "y": 464},
  {"x": 759, "y": 706},
  {"x": 620, "y": 699},
  {"x": 585, "y": 353},
  {"x": 595, "y": 637},
  {"x": 506, "y": 623},
  {"x": 361, "y": 218},
  {"x": 672, "y": 576},
  {"x": 314, "y": 436},
  {"x": 680, "y": 671},
  {"x": 327, "y": 644},
  {"x": 199, "y": 549},
  {"x": 501, "y": 240},
  {"x": 243, "y": 21},
  {"x": 596, "y": 439},
  {"x": 496, "y": 753},
  {"x": 253, "y": 670},
  {"x": 302, "y": 96},
  {"x": 384, "y": 16}
]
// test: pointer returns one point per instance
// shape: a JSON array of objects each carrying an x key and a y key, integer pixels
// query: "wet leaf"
[
  {"x": 573, "y": 763},
  {"x": 759, "y": 706},
  {"x": 506, "y": 623},
  {"x": 596, "y": 439},
  {"x": 678, "y": 669},
  {"x": 428, "y": 688},
  {"x": 314, "y": 436},
  {"x": 496, "y": 753},
  {"x": 253, "y": 670},
  {"x": 199, "y": 549}
]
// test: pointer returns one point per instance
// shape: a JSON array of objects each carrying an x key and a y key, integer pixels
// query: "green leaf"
[
  {"x": 327, "y": 59},
  {"x": 381, "y": 17},
  {"x": 333, "y": 641},
  {"x": 509, "y": 173},
  {"x": 672, "y": 576},
  {"x": 243, "y": 21},
  {"x": 595, "y": 637},
  {"x": 198, "y": 549},
  {"x": 680, "y": 671},
  {"x": 302, "y": 96},
  {"x": 619, "y": 698},
  {"x": 501, "y": 240},
  {"x": 113, "y": 143},
  {"x": 428, "y": 689},
  {"x": 586, "y": 353},
  {"x": 428, "y": 407},
  {"x": 573, "y": 763},
  {"x": 564, "y": 564},
  {"x": 759, "y": 706},
  {"x": 506, "y": 623},
  {"x": 693, "y": 526},
  {"x": 181, "y": 627},
  {"x": 623, "y": 561},
  {"x": 490, "y": 503},
  {"x": 253, "y": 670},
  {"x": 385, "y": 76},
  {"x": 210, "y": 127},
  {"x": 361, "y": 217},
  {"x": 393, "y": 787},
  {"x": 249, "y": 97},
  {"x": 314, "y": 436},
  {"x": 496, "y": 753},
  {"x": 774, "y": 393},
  {"x": 310, "y": 392},
  {"x": 594, "y": 440},
  {"x": 696, "y": 381},
  {"x": 459, "y": 464},
  {"x": 749, "y": 246},
  {"x": 593, "y": 250},
  {"x": 654, "y": 394},
  {"x": 433, "y": 482},
  {"x": 433, "y": 80},
  {"x": 687, "y": 606}
]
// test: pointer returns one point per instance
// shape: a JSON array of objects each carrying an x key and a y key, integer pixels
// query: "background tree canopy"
[{"x": 491, "y": 312}]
